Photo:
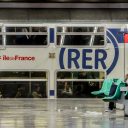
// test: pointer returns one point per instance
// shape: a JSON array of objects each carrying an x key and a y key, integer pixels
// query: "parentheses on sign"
[
  {"x": 61, "y": 58},
  {"x": 113, "y": 40}
]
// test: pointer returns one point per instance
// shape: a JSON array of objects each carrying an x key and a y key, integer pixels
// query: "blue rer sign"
[
  {"x": 90, "y": 58},
  {"x": 73, "y": 56}
]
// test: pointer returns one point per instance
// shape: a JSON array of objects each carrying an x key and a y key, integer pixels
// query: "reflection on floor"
[{"x": 61, "y": 113}]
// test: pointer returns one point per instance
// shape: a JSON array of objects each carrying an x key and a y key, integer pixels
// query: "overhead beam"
[{"x": 66, "y": 5}]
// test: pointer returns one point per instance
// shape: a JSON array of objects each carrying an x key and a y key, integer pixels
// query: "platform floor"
[{"x": 61, "y": 113}]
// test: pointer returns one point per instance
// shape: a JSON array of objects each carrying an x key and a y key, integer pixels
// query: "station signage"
[{"x": 17, "y": 58}]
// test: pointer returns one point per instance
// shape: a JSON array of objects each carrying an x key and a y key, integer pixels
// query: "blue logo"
[{"x": 100, "y": 56}]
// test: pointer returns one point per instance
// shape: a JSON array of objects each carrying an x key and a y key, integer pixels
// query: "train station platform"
[{"x": 59, "y": 113}]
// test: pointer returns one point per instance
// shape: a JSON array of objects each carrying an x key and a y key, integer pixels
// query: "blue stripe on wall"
[
  {"x": 52, "y": 35},
  {"x": 51, "y": 92},
  {"x": 117, "y": 34}
]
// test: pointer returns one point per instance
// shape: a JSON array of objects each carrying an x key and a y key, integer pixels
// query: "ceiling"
[
  {"x": 64, "y": 4},
  {"x": 66, "y": 1}
]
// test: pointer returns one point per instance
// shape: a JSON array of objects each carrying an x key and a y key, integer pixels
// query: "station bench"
[
  {"x": 105, "y": 89},
  {"x": 123, "y": 100},
  {"x": 119, "y": 95},
  {"x": 119, "y": 83}
]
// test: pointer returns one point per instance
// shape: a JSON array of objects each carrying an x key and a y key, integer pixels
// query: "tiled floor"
[{"x": 61, "y": 113}]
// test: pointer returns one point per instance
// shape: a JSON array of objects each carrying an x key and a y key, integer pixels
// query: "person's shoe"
[
  {"x": 107, "y": 110},
  {"x": 111, "y": 111}
]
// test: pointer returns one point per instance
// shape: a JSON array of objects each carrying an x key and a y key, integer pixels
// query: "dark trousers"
[
  {"x": 112, "y": 92},
  {"x": 111, "y": 105}
]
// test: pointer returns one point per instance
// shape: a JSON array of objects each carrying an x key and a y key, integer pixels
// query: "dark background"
[{"x": 66, "y": 1}]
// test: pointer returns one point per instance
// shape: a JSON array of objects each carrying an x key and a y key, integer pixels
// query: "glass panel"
[
  {"x": 10, "y": 29},
  {"x": 0, "y": 39},
  {"x": 26, "y": 39},
  {"x": 23, "y": 89},
  {"x": 75, "y": 29},
  {"x": 98, "y": 40},
  {"x": 39, "y": 89},
  {"x": 64, "y": 90},
  {"x": 38, "y": 75},
  {"x": 84, "y": 89},
  {"x": 21, "y": 75},
  {"x": 73, "y": 39},
  {"x": 88, "y": 75},
  {"x": 88, "y": 36},
  {"x": 80, "y": 75},
  {"x": 5, "y": 75},
  {"x": 64, "y": 75},
  {"x": 14, "y": 89},
  {"x": 39, "y": 29},
  {"x": 17, "y": 29},
  {"x": 100, "y": 29},
  {"x": 80, "y": 29},
  {"x": 80, "y": 88},
  {"x": 26, "y": 29},
  {"x": 77, "y": 89}
]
